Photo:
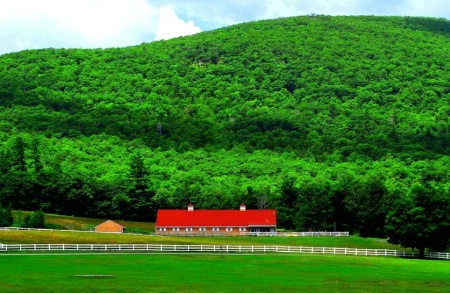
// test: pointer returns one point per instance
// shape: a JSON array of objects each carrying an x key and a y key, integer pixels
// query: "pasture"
[
  {"x": 218, "y": 273},
  {"x": 59, "y": 237},
  {"x": 79, "y": 223}
]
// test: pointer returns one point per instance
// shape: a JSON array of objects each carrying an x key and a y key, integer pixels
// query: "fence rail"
[
  {"x": 216, "y": 248},
  {"x": 41, "y": 229},
  {"x": 297, "y": 234}
]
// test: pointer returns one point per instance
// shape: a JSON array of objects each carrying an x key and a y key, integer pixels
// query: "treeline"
[{"x": 104, "y": 176}]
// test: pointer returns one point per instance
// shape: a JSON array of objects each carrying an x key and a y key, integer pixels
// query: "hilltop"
[{"x": 327, "y": 119}]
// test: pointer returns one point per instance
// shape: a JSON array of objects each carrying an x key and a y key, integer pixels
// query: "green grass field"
[
  {"x": 216, "y": 273},
  {"x": 54, "y": 237}
]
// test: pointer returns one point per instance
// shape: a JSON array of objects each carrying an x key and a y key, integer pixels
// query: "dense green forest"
[{"x": 331, "y": 120}]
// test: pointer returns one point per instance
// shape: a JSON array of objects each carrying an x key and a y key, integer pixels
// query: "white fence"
[
  {"x": 41, "y": 229},
  {"x": 215, "y": 248},
  {"x": 297, "y": 234}
]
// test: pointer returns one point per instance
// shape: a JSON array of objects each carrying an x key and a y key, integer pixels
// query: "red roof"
[{"x": 216, "y": 218}]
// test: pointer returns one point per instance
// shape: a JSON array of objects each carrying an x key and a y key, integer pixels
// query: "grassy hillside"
[
  {"x": 79, "y": 223},
  {"x": 330, "y": 120}
]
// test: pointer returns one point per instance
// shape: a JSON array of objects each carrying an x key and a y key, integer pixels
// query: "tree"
[
  {"x": 18, "y": 154},
  {"x": 286, "y": 209},
  {"x": 139, "y": 193},
  {"x": 421, "y": 220}
]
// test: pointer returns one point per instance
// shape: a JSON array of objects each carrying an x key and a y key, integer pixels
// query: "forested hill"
[
  {"x": 328, "y": 105},
  {"x": 312, "y": 85}
]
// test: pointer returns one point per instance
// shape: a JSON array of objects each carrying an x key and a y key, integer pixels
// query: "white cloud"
[
  {"x": 81, "y": 23},
  {"x": 171, "y": 26}
]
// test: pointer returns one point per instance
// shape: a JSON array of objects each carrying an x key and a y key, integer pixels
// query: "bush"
[
  {"x": 6, "y": 217},
  {"x": 35, "y": 220}
]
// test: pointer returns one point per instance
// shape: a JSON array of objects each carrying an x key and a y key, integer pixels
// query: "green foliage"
[
  {"x": 35, "y": 220},
  {"x": 364, "y": 85},
  {"x": 421, "y": 220}
]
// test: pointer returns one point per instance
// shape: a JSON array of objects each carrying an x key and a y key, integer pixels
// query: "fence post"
[
  {"x": 252, "y": 249},
  {"x": 345, "y": 251}
]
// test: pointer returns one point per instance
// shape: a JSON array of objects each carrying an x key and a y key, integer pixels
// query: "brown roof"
[{"x": 112, "y": 222}]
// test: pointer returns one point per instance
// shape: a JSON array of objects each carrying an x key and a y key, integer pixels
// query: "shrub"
[
  {"x": 35, "y": 220},
  {"x": 6, "y": 217}
]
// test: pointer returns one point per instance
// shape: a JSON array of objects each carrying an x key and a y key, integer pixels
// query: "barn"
[
  {"x": 109, "y": 227},
  {"x": 215, "y": 222}
]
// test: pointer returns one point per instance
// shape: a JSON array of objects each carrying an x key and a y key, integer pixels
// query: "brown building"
[
  {"x": 215, "y": 222},
  {"x": 109, "y": 227}
]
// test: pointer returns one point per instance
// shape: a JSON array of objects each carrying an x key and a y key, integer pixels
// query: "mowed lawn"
[{"x": 219, "y": 273}]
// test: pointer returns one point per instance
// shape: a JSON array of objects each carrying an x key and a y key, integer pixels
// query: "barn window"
[
  {"x": 241, "y": 229},
  {"x": 202, "y": 229},
  {"x": 162, "y": 229},
  {"x": 215, "y": 229},
  {"x": 229, "y": 229},
  {"x": 176, "y": 229},
  {"x": 188, "y": 229}
]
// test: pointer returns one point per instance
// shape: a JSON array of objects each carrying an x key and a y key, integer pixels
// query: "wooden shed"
[{"x": 109, "y": 227}]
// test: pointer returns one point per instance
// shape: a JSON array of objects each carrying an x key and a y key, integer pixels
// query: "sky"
[{"x": 35, "y": 24}]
